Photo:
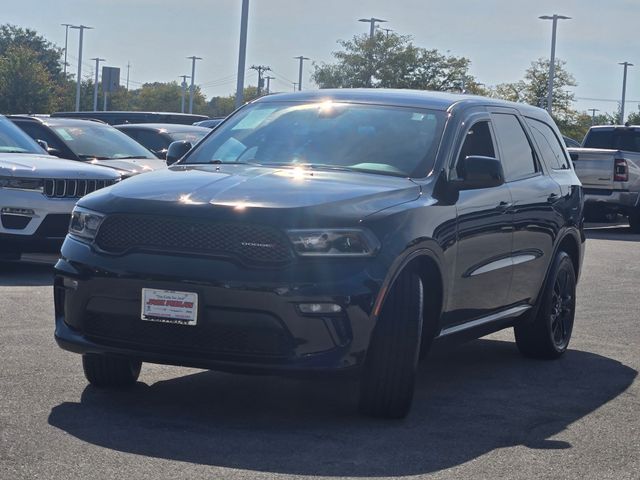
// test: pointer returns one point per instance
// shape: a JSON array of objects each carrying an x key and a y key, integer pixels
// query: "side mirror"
[
  {"x": 50, "y": 150},
  {"x": 177, "y": 150},
  {"x": 480, "y": 172},
  {"x": 43, "y": 144}
]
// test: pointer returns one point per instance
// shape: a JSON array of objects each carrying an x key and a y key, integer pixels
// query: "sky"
[{"x": 500, "y": 37}]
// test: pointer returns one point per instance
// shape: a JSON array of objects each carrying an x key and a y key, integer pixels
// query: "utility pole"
[
  {"x": 66, "y": 43},
  {"x": 184, "y": 90},
  {"x": 301, "y": 59},
  {"x": 268, "y": 79},
  {"x": 387, "y": 30},
  {"x": 79, "y": 79},
  {"x": 593, "y": 114},
  {"x": 95, "y": 83},
  {"x": 193, "y": 76},
  {"x": 242, "y": 55},
  {"x": 624, "y": 89},
  {"x": 552, "y": 61},
  {"x": 128, "y": 68},
  {"x": 260, "y": 69},
  {"x": 372, "y": 31}
]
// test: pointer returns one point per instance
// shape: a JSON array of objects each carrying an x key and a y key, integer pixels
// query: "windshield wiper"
[
  {"x": 92, "y": 157},
  {"x": 16, "y": 150},
  {"x": 131, "y": 157},
  {"x": 223, "y": 162}
]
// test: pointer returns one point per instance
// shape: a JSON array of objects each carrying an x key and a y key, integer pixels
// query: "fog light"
[
  {"x": 18, "y": 211},
  {"x": 319, "y": 308}
]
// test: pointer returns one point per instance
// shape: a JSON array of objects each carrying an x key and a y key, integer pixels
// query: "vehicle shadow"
[
  {"x": 23, "y": 274},
  {"x": 469, "y": 401},
  {"x": 615, "y": 232}
]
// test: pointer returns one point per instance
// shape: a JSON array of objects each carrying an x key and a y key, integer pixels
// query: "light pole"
[
  {"x": 268, "y": 79},
  {"x": 624, "y": 89},
  {"x": 552, "y": 62},
  {"x": 372, "y": 29},
  {"x": 242, "y": 55},
  {"x": 66, "y": 43},
  {"x": 184, "y": 90},
  {"x": 95, "y": 83},
  {"x": 193, "y": 76},
  {"x": 79, "y": 79},
  {"x": 593, "y": 114},
  {"x": 302, "y": 59}
]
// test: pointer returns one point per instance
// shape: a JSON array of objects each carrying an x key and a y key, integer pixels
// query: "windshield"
[
  {"x": 14, "y": 140},
  {"x": 193, "y": 137},
  {"x": 619, "y": 139},
  {"x": 95, "y": 140},
  {"x": 378, "y": 139}
]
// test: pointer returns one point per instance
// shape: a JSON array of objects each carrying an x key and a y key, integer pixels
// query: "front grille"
[
  {"x": 70, "y": 188},
  {"x": 254, "y": 243},
  {"x": 249, "y": 333}
]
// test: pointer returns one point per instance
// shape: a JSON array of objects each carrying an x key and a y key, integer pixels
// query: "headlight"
[
  {"x": 22, "y": 183},
  {"x": 84, "y": 223},
  {"x": 334, "y": 242}
]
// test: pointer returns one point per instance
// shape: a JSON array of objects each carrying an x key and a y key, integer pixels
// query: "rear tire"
[
  {"x": 387, "y": 383},
  {"x": 547, "y": 336},
  {"x": 106, "y": 371}
]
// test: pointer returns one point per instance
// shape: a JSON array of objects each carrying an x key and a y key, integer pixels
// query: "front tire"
[
  {"x": 387, "y": 384},
  {"x": 106, "y": 371},
  {"x": 547, "y": 336}
]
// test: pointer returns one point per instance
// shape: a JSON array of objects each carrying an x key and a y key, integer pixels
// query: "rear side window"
[
  {"x": 518, "y": 159},
  {"x": 550, "y": 147}
]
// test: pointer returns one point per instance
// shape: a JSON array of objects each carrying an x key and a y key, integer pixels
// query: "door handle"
[{"x": 504, "y": 206}]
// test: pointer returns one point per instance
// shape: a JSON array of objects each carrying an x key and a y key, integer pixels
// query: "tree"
[
  {"x": 25, "y": 84},
  {"x": 634, "y": 117},
  {"x": 392, "y": 61},
  {"x": 45, "y": 52},
  {"x": 533, "y": 89}
]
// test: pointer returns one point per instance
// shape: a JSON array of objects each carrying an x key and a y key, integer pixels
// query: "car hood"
[
  {"x": 25, "y": 165},
  {"x": 248, "y": 190},
  {"x": 131, "y": 166}
]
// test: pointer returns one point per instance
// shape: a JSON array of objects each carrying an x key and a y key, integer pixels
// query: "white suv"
[{"x": 38, "y": 192}]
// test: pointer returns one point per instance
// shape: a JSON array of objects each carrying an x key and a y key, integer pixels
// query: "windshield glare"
[
  {"x": 380, "y": 139},
  {"x": 100, "y": 141},
  {"x": 14, "y": 140}
]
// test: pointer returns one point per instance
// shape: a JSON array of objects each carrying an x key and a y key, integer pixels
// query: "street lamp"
[
  {"x": 302, "y": 59},
  {"x": 66, "y": 42},
  {"x": 242, "y": 55},
  {"x": 79, "y": 79},
  {"x": 624, "y": 89},
  {"x": 95, "y": 83},
  {"x": 552, "y": 62}
]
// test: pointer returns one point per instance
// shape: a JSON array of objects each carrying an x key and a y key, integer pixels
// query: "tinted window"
[
  {"x": 478, "y": 141},
  {"x": 150, "y": 139},
  {"x": 550, "y": 147},
  {"x": 618, "y": 139},
  {"x": 38, "y": 132},
  {"x": 379, "y": 139},
  {"x": 14, "y": 140},
  {"x": 94, "y": 140},
  {"x": 518, "y": 158}
]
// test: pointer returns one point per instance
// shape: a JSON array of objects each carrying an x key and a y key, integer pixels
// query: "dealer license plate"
[{"x": 169, "y": 306}]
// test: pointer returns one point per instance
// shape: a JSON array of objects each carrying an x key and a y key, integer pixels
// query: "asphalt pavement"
[{"x": 481, "y": 410}]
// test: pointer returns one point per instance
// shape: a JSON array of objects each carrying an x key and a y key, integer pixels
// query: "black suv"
[{"x": 335, "y": 230}]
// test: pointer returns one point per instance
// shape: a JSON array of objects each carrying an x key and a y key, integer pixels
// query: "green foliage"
[
  {"x": 392, "y": 61},
  {"x": 45, "y": 52},
  {"x": 25, "y": 84},
  {"x": 634, "y": 117}
]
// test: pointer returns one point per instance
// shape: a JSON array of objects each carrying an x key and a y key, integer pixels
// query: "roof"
[
  {"x": 409, "y": 98},
  {"x": 168, "y": 127},
  {"x": 55, "y": 121},
  {"x": 615, "y": 127}
]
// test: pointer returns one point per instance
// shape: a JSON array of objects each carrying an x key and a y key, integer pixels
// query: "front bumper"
[
  {"x": 248, "y": 319},
  {"x": 42, "y": 231}
]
